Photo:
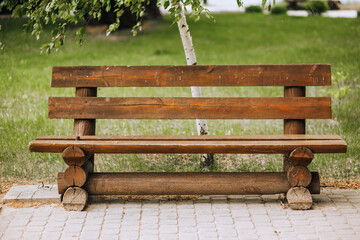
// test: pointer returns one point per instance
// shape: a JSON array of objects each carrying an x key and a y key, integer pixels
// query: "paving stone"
[
  {"x": 51, "y": 235},
  {"x": 168, "y": 229},
  {"x": 187, "y": 229},
  {"x": 149, "y": 237},
  {"x": 219, "y": 218},
  {"x": 114, "y": 237},
  {"x": 31, "y": 235},
  {"x": 73, "y": 228},
  {"x": 187, "y": 236},
  {"x": 89, "y": 235},
  {"x": 168, "y": 236}
]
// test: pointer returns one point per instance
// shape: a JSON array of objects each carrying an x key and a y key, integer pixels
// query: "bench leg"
[
  {"x": 75, "y": 176},
  {"x": 75, "y": 199},
  {"x": 299, "y": 177},
  {"x": 299, "y": 198}
]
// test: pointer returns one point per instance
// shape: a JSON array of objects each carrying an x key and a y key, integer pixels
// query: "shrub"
[
  {"x": 317, "y": 7},
  {"x": 278, "y": 10},
  {"x": 253, "y": 9},
  {"x": 358, "y": 14}
]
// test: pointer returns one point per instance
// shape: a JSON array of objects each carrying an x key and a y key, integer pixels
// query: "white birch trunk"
[{"x": 201, "y": 124}]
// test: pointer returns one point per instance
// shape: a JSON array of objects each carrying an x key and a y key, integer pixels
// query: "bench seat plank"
[
  {"x": 190, "y": 108},
  {"x": 186, "y": 146},
  {"x": 200, "y": 75}
]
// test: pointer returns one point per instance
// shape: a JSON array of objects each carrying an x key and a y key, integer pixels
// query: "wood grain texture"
[
  {"x": 85, "y": 126},
  {"x": 186, "y": 183},
  {"x": 290, "y": 137},
  {"x": 189, "y": 108},
  {"x": 75, "y": 199},
  {"x": 299, "y": 198},
  {"x": 293, "y": 126},
  {"x": 271, "y": 147},
  {"x": 205, "y": 75},
  {"x": 75, "y": 176},
  {"x": 299, "y": 176},
  {"x": 301, "y": 156},
  {"x": 74, "y": 156}
]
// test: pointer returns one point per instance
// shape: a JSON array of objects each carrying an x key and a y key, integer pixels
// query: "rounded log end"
[
  {"x": 74, "y": 155},
  {"x": 75, "y": 199},
  {"x": 299, "y": 176},
  {"x": 301, "y": 156},
  {"x": 299, "y": 198},
  {"x": 75, "y": 176}
]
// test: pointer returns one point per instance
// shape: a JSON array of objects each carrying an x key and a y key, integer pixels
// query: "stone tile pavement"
[{"x": 335, "y": 215}]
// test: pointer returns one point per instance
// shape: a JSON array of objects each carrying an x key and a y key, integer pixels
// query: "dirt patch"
[
  {"x": 29, "y": 205},
  {"x": 341, "y": 183}
]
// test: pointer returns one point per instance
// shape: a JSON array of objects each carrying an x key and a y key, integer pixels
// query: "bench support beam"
[{"x": 174, "y": 183}]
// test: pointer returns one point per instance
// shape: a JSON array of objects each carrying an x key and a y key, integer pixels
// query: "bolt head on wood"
[
  {"x": 301, "y": 156},
  {"x": 299, "y": 198},
  {"x": 75, "y": 199}
]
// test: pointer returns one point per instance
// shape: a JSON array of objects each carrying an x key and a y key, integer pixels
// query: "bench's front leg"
[
  {"x": 299, "y": 177},
  {"x": 74, "y": 177}
]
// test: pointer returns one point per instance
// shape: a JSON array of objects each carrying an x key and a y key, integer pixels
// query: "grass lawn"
[{"x": 234, "y": 39}]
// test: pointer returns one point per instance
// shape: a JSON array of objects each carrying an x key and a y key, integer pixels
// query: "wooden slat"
[
  {"x": 206, "y": 75},
  {"x": 187, "y": 183},
  {"x": 283, "y": 146},
  {"x": 294, "y": 137},
  {"x": 190, "y": 108}
]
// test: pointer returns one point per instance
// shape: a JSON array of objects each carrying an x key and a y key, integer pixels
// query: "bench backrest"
[{"x": 293, "y": 106}]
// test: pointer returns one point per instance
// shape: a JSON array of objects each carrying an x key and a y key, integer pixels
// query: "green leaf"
[
  {"x": 239, "y": 3},
  {"x": 263, "y": 3}
]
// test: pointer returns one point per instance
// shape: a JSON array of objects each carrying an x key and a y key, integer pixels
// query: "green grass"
[{"x": 25, "y": 77}]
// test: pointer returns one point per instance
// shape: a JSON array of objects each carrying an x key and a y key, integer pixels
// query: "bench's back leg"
[{"x": 293, "y": 126}]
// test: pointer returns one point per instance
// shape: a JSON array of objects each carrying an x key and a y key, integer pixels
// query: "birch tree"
[
  {"x": 60, "y": 14},
  {"x": 206, "y": 160}
]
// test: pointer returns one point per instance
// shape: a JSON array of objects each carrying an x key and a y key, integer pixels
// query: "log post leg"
[
  {"x": 80, "y": 163},
  {"x": 293, "y": 126},
  {"x": 299, "y": 177},
  {"x": 75, "y": 176}
]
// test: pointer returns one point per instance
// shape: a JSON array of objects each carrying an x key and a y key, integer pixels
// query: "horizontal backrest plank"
[
  {"x": 275, "y": 137},
  {"x": 200, "y": 75},
  {"x": 189, "y": 108}
]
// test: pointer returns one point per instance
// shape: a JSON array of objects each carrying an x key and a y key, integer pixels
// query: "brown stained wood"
[
  {"x": 299, "y": 176},
  {"x": 189, "y": 108},
  {"x": 75, "y": 176},
  {"x": 294, "y": 126},
  {"x": 299, "y": 198},
  {"x": 249, "y": 147},
  {"x": 74, "y": 155},
  {"x": 301, "y": 156},
  {"x": 314, "y": 186},
  {"x": 289, "y": 137},
  {"x": 85, "y": 126},
  {"x": 75, "y": 199},
  {"x": 61, "y": 184},
  {"x": 200, "y": 75},
  {"x": 185, "y": 183}
]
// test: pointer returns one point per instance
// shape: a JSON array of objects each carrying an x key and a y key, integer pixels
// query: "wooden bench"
[{"x": 298, "y": 148}]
